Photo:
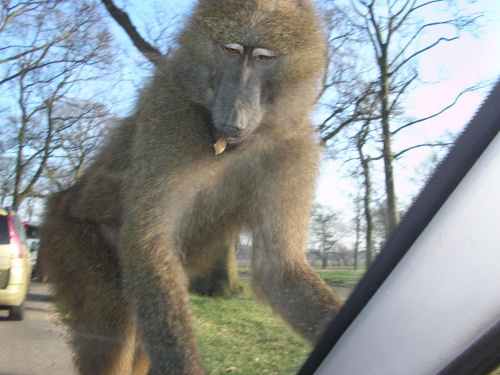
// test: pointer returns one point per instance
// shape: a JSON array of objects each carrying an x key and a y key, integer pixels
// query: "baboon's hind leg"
[
  {"x": 108, "y": 348},
  {"x": 86, "y": 279}
]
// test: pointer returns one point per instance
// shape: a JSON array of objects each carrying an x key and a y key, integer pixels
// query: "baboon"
[{"x": 220, "y": 142}]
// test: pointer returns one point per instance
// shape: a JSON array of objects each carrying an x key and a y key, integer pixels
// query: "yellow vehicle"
[{"x": 15, "y": 265}]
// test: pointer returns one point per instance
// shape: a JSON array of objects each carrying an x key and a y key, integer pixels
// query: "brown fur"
[{"x": 157, "y": 205}]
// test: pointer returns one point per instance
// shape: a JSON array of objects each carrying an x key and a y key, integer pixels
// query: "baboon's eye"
[
  {"x": 263, "y": 54},
  {"x": 234, "y": 49}
]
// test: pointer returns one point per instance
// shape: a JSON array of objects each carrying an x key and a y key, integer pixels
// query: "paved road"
[{"x": 34, "y": 346}]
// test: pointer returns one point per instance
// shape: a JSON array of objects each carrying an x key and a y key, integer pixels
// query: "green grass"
[
  {"x": 345, "y": 277},
  {"x": 244, "y": 271},
  {"x": 341, "y": 277},
  {"x": 241, "y": 336}
]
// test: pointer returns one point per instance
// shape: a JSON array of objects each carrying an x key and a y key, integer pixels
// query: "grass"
[
  {"x": 341, "y": 277},
  {"x": 345, "y": 277},
  {"x": 241, "y": 336}
]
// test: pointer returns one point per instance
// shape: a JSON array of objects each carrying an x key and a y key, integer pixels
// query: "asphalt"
[{"x": 35, "y": 345}]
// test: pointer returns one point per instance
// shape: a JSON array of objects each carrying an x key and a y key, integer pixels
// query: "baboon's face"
[
  {"x": 242, "y": 60},
  {"x": 243, "y": 93}
]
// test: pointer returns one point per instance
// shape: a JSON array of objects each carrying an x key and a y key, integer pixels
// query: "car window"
[
  {"x": 4, "y": 231},
  {"x": 32, "y": 231}
]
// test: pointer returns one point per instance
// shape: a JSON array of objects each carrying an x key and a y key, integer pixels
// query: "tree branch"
[
  {"x": 122, "y": 18},
  {"x": 401, "y": 90},
  {"x": 416, "y": 34},
  {"x": 403, "y": 19},
  {"x": 438, "y": 144},
  {"x": 469, "y": 89},
  {"x": 405, "y": 61}
]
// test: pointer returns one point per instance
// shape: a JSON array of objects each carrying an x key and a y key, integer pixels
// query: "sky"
[{"x": 458, "y": 65}]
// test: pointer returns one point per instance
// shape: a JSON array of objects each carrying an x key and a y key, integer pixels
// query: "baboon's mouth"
[{"x": 234, "y": 141}]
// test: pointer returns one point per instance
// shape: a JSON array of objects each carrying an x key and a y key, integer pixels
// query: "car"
[
  {"x": 32, "y": 230},
  {"x": 15, "y": 264}
]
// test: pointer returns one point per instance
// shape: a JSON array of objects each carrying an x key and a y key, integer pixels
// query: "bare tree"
[
  {"x": 393, "y": 31},
  {"x": 358, "y": 229},
  {"x": 375, "y": 46},
  {"x": 361, "y": 139},
  {"x": 77, "y": 144},
  {"x": 160, "y": 31},
  {"x": 344, "y": 91},
  {"x": 53, "y": 50},
  {"x": 122, "y": 18},
  {"x": 325, "y": 231}
]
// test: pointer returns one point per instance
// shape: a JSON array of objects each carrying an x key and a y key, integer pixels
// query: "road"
[{"x": 34, "y": 346}]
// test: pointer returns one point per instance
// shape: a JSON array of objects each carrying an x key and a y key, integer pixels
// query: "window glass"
[{"x": 4, "y": 231}]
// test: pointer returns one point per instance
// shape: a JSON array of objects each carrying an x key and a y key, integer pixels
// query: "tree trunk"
[
  {"x": 223, "y": 279},
  {"x": 368, "y": 214},
  {"x": 392, "y": 205},
  {"x": 365, "y": 164},
  {"x": 358, "y": 232}
]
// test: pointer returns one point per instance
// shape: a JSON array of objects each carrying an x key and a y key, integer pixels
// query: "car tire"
[{"x": 17, "y": 312}]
